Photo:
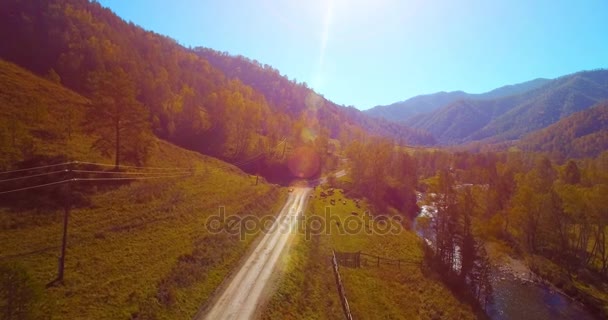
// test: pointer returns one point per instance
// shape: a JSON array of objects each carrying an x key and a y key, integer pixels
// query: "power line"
[
  {"x": 123, "y": 178},
  {"x": 242, "y": 162},
  {"x": 253, "y": 158},
  {"x": 92, "y": 179},
  {"x": 37, "y": 186},
  {"x": 36, "y": 168},
  {"x": 33, "y": 176},
  {"x": 132, "y": 167},
  {"x": 130, "y": 173}
]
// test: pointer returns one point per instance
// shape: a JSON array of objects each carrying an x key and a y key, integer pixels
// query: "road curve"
[{"x": 242, "y": 296}]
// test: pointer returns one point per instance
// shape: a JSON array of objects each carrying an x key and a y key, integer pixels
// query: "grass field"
[
  {"x": 136, "y": 250},
  {"x": 307, "y": 290},
  {"x": 40, "y": 118}
]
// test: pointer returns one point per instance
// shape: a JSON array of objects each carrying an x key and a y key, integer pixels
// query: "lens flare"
[
  {"x": 304, "y": 162},
  {"x": 307, "y": 135}
]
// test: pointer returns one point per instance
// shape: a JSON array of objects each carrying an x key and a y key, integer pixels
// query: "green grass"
[
  {"x": 122, "y": 247},
  {"x": 40, "y": 118},
  {"x": 137, "y": 249},
  {"x": 307, "y": 290}
]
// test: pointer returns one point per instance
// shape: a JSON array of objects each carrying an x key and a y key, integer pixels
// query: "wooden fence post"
[{"x": 343, "y": 300}]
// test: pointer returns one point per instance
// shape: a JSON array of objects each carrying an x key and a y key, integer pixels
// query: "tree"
[
  {"x": 119, "y": 120},
  {"x": 481, "y": 277},
  {"x": 571, "y": 173},
  {"x": 446, "y": 219},
  {"x": 597, "y": 197},
  {"x": 536, "y": 208},
  {"x": 467, "y": 241}
]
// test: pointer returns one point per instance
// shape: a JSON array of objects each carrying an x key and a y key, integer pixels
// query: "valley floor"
[{"x": 307, "y": 288}]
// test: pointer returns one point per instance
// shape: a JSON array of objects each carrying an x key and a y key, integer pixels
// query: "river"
[{"x": 515, "y": 297}]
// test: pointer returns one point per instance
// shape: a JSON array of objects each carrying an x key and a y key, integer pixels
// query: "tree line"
[{"x": 554, "y": 215}]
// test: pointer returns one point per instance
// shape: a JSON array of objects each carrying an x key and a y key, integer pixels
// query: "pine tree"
[{"x": 116, "y": 117}]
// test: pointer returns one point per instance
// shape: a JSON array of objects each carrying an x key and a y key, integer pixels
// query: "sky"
[{"x": 375, "y": 52}]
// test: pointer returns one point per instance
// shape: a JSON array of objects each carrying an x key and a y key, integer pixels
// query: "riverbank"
[
  {"x": 539, "y": 274},
  {"x": 585, "y": 290}
]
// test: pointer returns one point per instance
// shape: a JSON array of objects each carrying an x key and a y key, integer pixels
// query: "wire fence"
[{"x": 360, "y": 259}]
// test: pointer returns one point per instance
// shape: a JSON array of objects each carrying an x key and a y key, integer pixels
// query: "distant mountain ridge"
[
  {"x": 510, "y": 117},
  {"x": 403, "y": 110}
]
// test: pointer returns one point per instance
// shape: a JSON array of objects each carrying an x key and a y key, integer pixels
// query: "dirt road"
[{"x": 242, "y": 296}]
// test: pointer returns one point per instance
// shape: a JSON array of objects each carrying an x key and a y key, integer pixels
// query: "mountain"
[
  {"x": 401, "y": 111},
  {"x": 188, "y": 101},
  {"x": 296, "y": 99},
  {"x": 509, "y": 118},
  {"x": 580, "y": 135},
  {"x": 513, "y": 89}
]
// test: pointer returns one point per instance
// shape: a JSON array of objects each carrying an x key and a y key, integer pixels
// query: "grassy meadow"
[
  {"x": 135, "y": 250},
  {"x": 141, "y": 249},
  {"x": 308, "y": 290}
]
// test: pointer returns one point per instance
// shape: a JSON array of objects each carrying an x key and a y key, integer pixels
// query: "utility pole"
[
  {"x": 284, "y": 147},
  {"x": 66, "y": 214}
]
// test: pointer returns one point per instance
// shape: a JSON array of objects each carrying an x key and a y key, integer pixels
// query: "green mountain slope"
[{"x": 580, "y": 135}]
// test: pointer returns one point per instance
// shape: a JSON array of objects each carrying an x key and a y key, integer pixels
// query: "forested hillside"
[
  {"x": 188, "y": 101},
  {"x": 294, "y": 98},
  {"x": 581, "y": 135},
  {"x": 511, "y": 117},
  {"x": 170, "y": 89}
]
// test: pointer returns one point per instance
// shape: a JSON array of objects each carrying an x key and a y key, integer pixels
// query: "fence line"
[
  {"x": 343, "y": 300},
  {"x": 358, "y": 259}
]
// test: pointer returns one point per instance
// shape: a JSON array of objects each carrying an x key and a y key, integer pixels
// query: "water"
[{"x": 514, "y": 299}]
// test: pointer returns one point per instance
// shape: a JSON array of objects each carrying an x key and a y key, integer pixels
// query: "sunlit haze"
[
  {"x": 366, "y": 52},
  {"x": 304, "y": 159}
]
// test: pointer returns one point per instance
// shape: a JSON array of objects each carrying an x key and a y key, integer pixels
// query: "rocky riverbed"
[{"x": 520, "y": 294}]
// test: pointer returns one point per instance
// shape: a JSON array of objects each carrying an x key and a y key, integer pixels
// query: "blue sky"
[{"x": 370, "y": 52}]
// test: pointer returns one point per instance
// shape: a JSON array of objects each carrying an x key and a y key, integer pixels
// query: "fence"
[
  {"x": 359, "y": 259},
  {"x": 343, "y": 300}
]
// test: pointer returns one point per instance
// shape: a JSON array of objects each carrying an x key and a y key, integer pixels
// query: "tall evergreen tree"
[{"x": 116, "y": 117}]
